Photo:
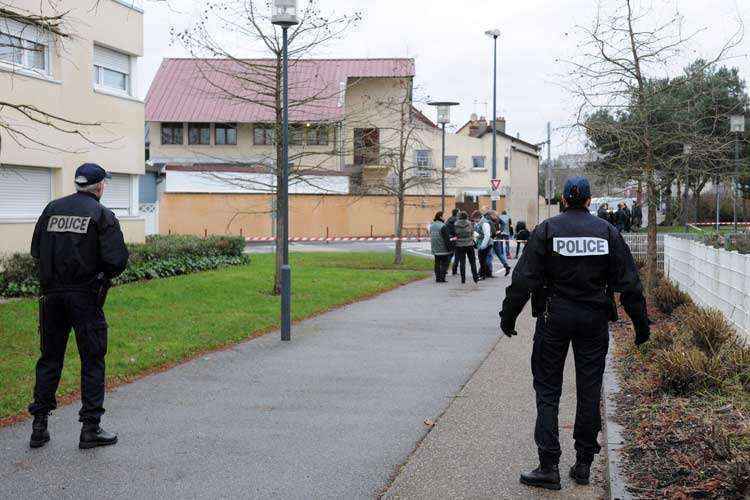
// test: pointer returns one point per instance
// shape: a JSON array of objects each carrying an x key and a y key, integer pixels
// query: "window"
[
  {"x": 317, "y": 136},
  {"x": 199, "y": 134},
  {"x": 477, "y": 162},
  {"x": 117, "y": 194},
  {"x": 366, "y": 146},
  {"x": 171, "y": 133},
  {"x": 24, "y": 191},
  {"x": 23, "y": 45},
  {"x": 451, "y": 162},
  {"x": 225, "y": 134},
  {"x": 422, "y": 158},
  {"x": 507, "y": 163},
  {"x": 296, "y": 135},
  {"x": 111, "y": 69},
  {"x": 263, "y": 135}
]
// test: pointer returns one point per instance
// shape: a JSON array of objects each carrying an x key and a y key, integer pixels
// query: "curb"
[{"x": 615, "y": 441}]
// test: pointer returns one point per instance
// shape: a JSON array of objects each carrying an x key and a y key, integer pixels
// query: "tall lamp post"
[
  {"x": 285, "y": 15},
  {"x": 737, "y": 126},
  {"x": 443, "y": 118},
  {"x": 494, "y": 34}
]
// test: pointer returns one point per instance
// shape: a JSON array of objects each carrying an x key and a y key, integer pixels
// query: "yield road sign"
[{"x": 495, "y": 184}]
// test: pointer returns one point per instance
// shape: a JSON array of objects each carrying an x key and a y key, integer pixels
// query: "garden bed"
[{"x": 684, "y": 402}]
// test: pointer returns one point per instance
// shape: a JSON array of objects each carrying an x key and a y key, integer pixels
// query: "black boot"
[
  {"x": 544, "y": 476},
  {"x": 92, "y": 436},
  {"x": 39, "y": 432},
  {"x": 580, "y": 472},
  {"x": 507, "y": 270}
]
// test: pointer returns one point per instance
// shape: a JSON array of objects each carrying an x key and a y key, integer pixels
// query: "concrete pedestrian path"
[{"x": 332, "y": 414}]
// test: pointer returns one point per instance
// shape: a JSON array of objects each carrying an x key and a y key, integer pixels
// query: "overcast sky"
[{"x": 454, "y": 57}]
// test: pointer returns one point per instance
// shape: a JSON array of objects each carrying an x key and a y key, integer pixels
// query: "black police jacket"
[
  {"x": 579, "y": 257},
  {"x": 75, "y": 239}
]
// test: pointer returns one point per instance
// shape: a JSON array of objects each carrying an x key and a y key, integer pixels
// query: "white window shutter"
[
  {"x": 24, "y": 191},
  {"x": 111, "y": 59},
  {"x": 117, "y": 193}
]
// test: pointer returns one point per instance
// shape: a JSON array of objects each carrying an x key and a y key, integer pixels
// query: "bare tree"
[
  {"x": 401, "y": 171},
  {"x": 622, "y": 83},
  {"x": 18, "y": 120},
  {"x": 230, "y": 76}
]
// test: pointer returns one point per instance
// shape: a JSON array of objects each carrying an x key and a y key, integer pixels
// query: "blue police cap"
[
  {"x": 90, "y": 173},
  {"x": 577, "y": 190}
]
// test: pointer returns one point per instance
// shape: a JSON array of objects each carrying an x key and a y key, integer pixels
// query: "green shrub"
[
  {"x": 158, "y": 247},
  {"x": 159, "y": 257},
  {"x": 669, "y": 297},
  {"x": 18, "y": 275},
  {"x": 177, "y": 266}
]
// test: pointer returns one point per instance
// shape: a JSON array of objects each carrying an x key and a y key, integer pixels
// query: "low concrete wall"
[{"x": 310, "y": 215}]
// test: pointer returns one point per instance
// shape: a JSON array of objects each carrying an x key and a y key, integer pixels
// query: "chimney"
[
  {"x": 500, "y": 124},
  {"x": 477, "y": 126}
]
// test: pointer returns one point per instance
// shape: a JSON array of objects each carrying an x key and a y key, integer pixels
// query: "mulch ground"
[{"x": 678, "y": 447}]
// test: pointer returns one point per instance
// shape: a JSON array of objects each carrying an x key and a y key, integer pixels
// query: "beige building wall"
[
  {"x": 310, "y": 215},
  {"x": 68, "y": 91}
]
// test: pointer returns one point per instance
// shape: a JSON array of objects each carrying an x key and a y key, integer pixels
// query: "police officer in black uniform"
[
  {"x": 571, "y": 267},
  {"x": 79, "y": 248}
]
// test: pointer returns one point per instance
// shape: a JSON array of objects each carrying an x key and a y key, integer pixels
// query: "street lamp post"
[
  {"x": 285, "y": 15},
  {"x": 494, "y": 34},
  {"x": 736, "y": 125},
  {"x": 443, "y": 118}
]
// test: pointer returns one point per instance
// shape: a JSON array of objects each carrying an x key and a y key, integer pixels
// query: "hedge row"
[{"x": 159, "y": 257}]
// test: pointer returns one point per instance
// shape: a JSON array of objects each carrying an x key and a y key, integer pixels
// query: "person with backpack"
[
  {"x": 450, "y": 226},
  {"x": 497, "y": 242},
  {"x": 464, "y": 241},
  {"x": 484, "y": 244}
]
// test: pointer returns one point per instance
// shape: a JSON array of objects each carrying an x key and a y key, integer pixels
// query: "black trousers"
[
  {"x": 586, "y": 328},
  {"x": 455, "y": 261},
  {"x": 485, "y": 270},
  {"x": 58, "y": 313},
  {"x": 463, "y": 253},
  {"x": 442, "y": 262}
]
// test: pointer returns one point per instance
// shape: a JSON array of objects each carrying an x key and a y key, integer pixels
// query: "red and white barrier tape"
[
  {"x": 271, "y": 239},
  {"x": 265, "y": 239},
  {"x": 720, "y": 223}
]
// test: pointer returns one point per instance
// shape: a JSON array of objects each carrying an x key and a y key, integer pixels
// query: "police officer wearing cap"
[
  {"x": 570, "y": 269},
  {"x": 79, "y": 248}
]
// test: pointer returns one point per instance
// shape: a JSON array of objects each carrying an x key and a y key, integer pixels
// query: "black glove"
[
  {"x": 508, "y": 327},
  {"x": 642, "y": 332}
]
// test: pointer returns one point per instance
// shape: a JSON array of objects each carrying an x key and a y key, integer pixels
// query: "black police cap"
[
  {"x": 577, "y": 190},
  {"x": 90, "y": 173}
]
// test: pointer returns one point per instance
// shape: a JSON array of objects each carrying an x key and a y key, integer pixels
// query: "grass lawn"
[{"x": 160, "y": 322}]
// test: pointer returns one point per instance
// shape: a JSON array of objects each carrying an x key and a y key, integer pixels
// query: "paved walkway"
[{"x": 331, "y": 414}]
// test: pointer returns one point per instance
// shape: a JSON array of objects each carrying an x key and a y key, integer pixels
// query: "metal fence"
[
  {"x": 638, "y": 243},
  {"x": 712, "y": 276}
]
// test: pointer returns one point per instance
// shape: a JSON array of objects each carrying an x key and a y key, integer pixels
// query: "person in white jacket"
[{"x": 484, "y": 245}]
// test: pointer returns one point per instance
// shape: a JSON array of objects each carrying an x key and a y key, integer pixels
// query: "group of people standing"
[
  {"x": 480, "y": 237},
  {"x": 624, "y": 219}
]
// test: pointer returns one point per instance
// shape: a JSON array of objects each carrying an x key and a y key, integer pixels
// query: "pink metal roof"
[{"x": 221, "y": 90}]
